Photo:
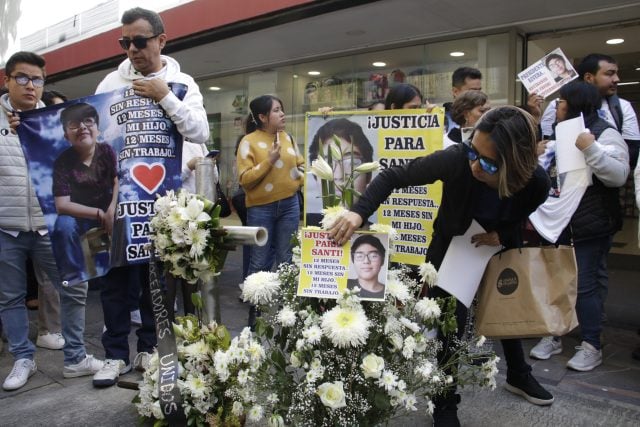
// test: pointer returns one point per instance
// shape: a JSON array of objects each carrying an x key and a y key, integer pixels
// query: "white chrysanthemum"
[
  {"x": 412, "y": 326},
  {"x": 388, "y": 380},
  {"x": 256, "y": 352},
  {"x": 398, "y": 290},
  {"x": 345, "y": 327},
  {"x": 261, "y": 287},
  {"x": 410, "y": 403},
  {"x": 429, "y": 274},
  {"x": 243, "y": 376},
  {"x": 425, "y": 370},
  {"x": 314, "y": 375},
  {"x": 196, "y": 385},
  {"x": 428, "y": 309},
  {"x": 198, "y": 350},
  {"x": 255, "y": 413},
  {"x": 385, "y": 228},
  {"x": 331, "y": 215},
  {"x": 392, "y": 325},
  {"x": 273, "y": 398},
  {"x": 197, "y": 238},
  {"x": 409, "y": 347},
  {"x": 300, "y": 344},
  {"x": 313, "y": 334},
  {"x": 286, "y": 317}
]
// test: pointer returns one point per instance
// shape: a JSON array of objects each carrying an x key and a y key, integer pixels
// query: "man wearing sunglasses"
[
  {"x": 23, "y": 233},
  {"x": 148, "y": 72}
]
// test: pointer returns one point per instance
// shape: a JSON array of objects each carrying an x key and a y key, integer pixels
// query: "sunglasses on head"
[
  {"x": 138, "y": 42},
  {"x": 487, "y": 165}
]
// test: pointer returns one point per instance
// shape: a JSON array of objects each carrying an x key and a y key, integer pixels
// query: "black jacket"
[{"x": 456, "y": 208}]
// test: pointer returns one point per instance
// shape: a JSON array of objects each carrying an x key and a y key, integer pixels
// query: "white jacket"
[
  {"x": 19, "y": 209},
  {"x": 188, "y": 115}
]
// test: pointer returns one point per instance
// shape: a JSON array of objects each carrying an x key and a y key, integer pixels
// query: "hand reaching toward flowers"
[{"x": 344, "y": 227}]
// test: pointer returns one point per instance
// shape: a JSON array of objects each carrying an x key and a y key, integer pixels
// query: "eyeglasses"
[
  {"x": 74, "y": 125},
  {"x": 371, "y": 256},
  {"x": 138, "y": 42},
  {"x": 558, "y": 101},
  {"x": 487, "y": 165},
  {"x": 23, "y": 80}
]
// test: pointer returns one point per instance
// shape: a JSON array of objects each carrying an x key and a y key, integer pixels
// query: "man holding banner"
[
  {"x": 148, "y": 72},
  {"x": 23, "y": 234}
]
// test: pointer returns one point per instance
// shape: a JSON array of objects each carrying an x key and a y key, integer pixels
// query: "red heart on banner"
[{"x": 149, "y": 177}]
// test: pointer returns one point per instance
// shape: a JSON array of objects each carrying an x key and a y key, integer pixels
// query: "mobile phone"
[{"x": 213, "y": 153}]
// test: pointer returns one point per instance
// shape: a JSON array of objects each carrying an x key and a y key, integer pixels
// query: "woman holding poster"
[
  {"x": 269, "y": 170},
  {"x": 495, "y": 179},
  {"x": 584, "y": 207}
]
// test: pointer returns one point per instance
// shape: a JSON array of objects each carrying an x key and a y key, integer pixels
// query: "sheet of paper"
[
  {"x": 568, "y": 156},
  {"x": 464, "y": 265}
]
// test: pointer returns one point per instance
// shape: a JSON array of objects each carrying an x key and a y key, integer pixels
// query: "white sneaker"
[
  {"x": 136, "y": 320},
  {"x": 50, "y": 341},
  {"x": 110, "y": 372},
  {"x": 22, "y": 370},
  {"x": 87, "y": 366},
  {"x": 546, "y": 347},
  {"x": 141, "y": 361},
  {"x": 586, "y": 358}
]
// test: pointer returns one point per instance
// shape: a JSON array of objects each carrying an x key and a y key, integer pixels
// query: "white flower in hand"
[
  {"x": 428, "y": 274},
  {"x": 332, "y": 395}
]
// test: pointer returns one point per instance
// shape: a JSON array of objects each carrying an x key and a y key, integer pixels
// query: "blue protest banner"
[{"x": 96, "y": 164}]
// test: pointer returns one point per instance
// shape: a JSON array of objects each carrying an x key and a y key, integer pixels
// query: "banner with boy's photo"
[
  {"x": 392, "y": 137},
  {"x": 327, "y": 270},
  {"x": 96, "y": 164}
]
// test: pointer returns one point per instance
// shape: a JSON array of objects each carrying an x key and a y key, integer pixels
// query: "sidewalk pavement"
[{"x": 607, "y": 396}]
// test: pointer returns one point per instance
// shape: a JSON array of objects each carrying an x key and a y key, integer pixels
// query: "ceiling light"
[
  {"x": 615, "y": 41},
  {"x": 637, "y": 68},
  {"x": 314, "y": 73},
  {"x": 295, "y": 76},
  {"x": 214, "y": 88},
  {"x": 456, "y": 54},
  {"x": 628, "y": 83},
  {"x": 379, "y": 64}
]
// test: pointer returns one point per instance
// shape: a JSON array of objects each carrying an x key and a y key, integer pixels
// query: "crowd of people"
[{"x": 497, "y": 167}]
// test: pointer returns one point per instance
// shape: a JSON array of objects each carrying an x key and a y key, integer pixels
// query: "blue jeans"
[
  {"x": 67, "y": 232},
  {"x": 116, "y": 299},
  {"x": 589, "y": 258},
  {"x": 281, "y": 220},
  {"x": 13, "y": 289}
]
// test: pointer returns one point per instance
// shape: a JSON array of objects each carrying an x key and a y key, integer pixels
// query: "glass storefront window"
[{"x": 351, "y": 82}]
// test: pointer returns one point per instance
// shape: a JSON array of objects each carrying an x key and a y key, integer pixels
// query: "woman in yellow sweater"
[{"x": 270, "y": 170}]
